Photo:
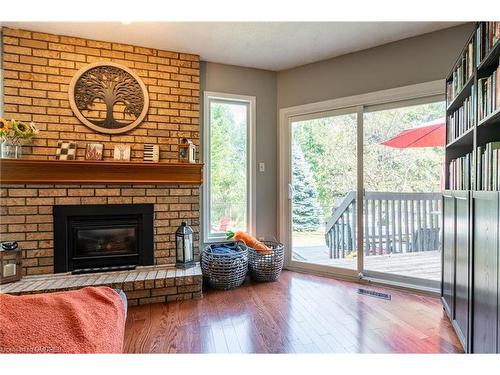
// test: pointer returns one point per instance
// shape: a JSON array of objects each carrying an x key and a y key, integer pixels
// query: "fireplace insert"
[{"x": 96, "y": 238}]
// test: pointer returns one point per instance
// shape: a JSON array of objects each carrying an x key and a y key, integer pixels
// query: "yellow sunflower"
[
  {"x": 21, "y": 129},
  {"x": 4, "y": 127},
  {"x": 4, "y": 124}
]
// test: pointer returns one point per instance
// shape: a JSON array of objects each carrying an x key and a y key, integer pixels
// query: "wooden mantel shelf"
[{"x": 23, "y": 171}]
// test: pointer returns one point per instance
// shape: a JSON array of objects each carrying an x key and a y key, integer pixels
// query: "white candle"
[
  {"x": 187, "y": 249},
  {"x": 9, "y": 270}
]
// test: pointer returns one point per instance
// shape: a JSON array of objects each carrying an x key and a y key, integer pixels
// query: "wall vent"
[{"x": 372, "y": 293}]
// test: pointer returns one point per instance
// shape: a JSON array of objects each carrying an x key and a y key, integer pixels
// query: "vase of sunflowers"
[{"x": 12, "y": 135}]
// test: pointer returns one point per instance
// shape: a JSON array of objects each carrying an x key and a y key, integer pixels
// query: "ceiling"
[{"x": 265, "y": 45}]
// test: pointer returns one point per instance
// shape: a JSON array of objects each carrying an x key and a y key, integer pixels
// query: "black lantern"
[{"x": 184, "y": 246}]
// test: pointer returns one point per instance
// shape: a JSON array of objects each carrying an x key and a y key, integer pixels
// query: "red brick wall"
[
  {"x": 37, "y": 70},
  {"x": 26, "y": 215}
]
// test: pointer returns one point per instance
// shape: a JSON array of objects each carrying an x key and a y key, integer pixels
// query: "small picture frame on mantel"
[
  {"x": 151, "y": 153},
  {"x": 122, "y": 152},
  {"x": 66, "y": 150},
  {"x": 94, "y": 151}
]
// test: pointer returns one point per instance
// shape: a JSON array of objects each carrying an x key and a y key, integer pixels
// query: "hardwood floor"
[{"x": 297, "y": 314}]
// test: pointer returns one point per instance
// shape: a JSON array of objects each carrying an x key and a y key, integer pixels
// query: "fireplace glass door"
[
  {"x": 114, "y": 242},
  {"x": 105, "y": 241}
]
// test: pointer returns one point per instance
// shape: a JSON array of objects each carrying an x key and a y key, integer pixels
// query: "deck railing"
[{"x": 393, "y": 223}]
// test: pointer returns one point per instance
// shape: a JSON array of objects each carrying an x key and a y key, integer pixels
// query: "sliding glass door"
[
  {"x": 364, "y": 191},
  {"x": 323, "y": 172},
  {"x": 403, "y": 162}
]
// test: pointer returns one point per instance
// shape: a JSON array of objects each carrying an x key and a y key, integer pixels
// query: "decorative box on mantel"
[{"x": 23, "y": 171}]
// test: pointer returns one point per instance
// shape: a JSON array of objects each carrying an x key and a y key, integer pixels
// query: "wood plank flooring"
[{"x": 297, "y": 314}]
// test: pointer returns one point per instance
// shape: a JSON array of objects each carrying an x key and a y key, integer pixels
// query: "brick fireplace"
[
  {"x": 37, "y": 70},
  {"x": 27, "y": 215},
  {"x": 104, "y": 237}
]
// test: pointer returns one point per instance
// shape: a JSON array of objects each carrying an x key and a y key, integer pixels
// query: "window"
[{"x": 229, "y": 165}]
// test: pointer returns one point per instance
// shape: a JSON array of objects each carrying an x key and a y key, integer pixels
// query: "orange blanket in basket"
[{"x": 89, "y": 320}]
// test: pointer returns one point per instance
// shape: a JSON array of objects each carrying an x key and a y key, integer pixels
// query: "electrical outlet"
[{"x": 262, "y": 167}]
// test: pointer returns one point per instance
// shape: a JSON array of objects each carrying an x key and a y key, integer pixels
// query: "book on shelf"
[
  {"x": 462, "y": 119},
  {"x": 488, "y": 167},
  {"x": 460, "y": 173},
  {"x": 487, "y": 36},
  {"x": 488, "y": 94},
  {"x": 461, "y": 74}
]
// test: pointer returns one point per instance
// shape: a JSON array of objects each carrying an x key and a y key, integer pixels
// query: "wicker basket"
[
  {"x": 225, "y": 271},
  {"x": 266, "y": 267}
]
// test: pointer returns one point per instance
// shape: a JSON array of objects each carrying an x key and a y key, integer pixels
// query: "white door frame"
[
  {"x": 357, "y": 103},
  {"x": 287, "y": 157}
]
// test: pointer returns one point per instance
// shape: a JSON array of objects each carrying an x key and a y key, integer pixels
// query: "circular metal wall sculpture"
[{"x": 108, "y": 97}]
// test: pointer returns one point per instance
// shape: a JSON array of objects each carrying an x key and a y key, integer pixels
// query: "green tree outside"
[{"x": 305, "y": 204}]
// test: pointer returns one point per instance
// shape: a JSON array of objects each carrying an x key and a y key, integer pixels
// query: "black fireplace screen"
[{"x": 102, "y": 237}]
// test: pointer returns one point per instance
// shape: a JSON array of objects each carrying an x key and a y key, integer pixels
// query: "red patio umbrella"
[{"x": 430, "y": 134}]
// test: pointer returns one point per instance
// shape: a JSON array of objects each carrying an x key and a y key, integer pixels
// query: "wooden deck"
[
  {"x": 393, "y": 223},
  {"x": 297, "y": 314},
  {"x": 423, "y": 264}
]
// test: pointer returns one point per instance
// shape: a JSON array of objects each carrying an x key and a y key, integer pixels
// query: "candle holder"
[
  {"x": 11, "y": 262},
  {"x": 187, "y": 151}
]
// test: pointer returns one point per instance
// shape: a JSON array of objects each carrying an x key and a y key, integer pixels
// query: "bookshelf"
[
  {"x": 470, "y": 289},
  {"x": 473, "y": 113}
]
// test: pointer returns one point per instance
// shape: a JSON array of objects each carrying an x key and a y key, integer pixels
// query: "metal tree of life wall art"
[{"x": 108, "y": 97}]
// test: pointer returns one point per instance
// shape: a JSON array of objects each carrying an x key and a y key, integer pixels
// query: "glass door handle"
[{"x": 290, "y": 191}]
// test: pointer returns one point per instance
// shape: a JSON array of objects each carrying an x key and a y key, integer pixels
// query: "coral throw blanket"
[{"x": 89, "y": 320}]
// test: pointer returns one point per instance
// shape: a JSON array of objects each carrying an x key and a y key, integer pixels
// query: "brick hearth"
[{"x": 143, "y": 285}]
